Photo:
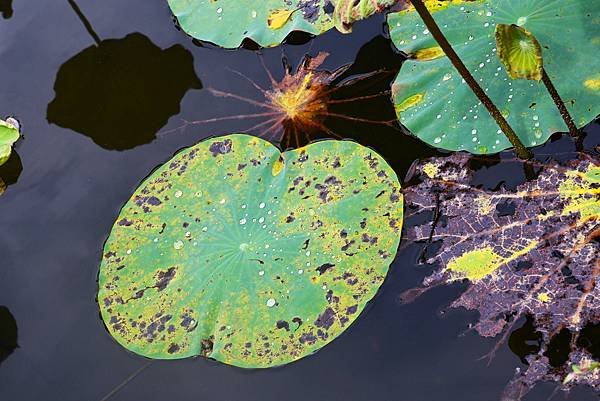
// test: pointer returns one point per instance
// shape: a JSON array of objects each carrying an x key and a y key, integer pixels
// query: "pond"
[{"x": 96, "y": 120}]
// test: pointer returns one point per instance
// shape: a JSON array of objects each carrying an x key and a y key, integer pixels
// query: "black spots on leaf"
[
  {"x": 241, "y": 166},
  {"x": 290, "y": 218},
  {"x": 221, "y": 147},
  {"x": 164, "y": 278},
  {"x": 303, "y": 157},
  {"x": 351, "y": 310},
  {"x": 206, "y": 346},
  {"x": 336, "y": 163},
  {"x": 395, "y": 196},
  {"x": 559, "y": 348},
  {"x": 505, "y": 208},
  {"x": 525, "y": 340},
  {"x": 307, "y": 338},
  {"x": 343, "y": 234},
  {"x": 363, "y": 223},
  {"x": 173, "y": 348},
  {"x": 145, "y": 201},
  {"x": 306, "y": 243},
  {"x": 282, "y": 324},
  {"x": 154, "y": 201},
  {"x": 298, "y": 321},
  {"x": 369, "y": 240},
  {"x": 324, "y": 267},
  {"x": 162, "y": 228},
  {"x": 124, "y": 222},
  {"x": 187, "y": 322},
  {"x": 373, "y": 162},
  {"x": 326, "y": 319},
  {"x": 347, "y": 245}
]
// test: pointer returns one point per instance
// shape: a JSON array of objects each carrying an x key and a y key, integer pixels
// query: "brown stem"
[
  {"x": 560, "y": 104},
  {"x": 433, "y": 27}
]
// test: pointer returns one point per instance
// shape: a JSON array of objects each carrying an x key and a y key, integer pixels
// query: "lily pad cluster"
[
  {"x": 529, "y": 252},
  {"x": 256, "y": 258},
  {"x": 268, "y": 22},
  {"x": 435, "y": 103}
]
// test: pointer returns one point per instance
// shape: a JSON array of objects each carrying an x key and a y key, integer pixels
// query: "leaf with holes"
[
  {"x": 255, "y": 258},
  {"x": 533, "y": 251},
  {"x": 268, "y": 22},
  {"x": 9, "y": 134},
  {"x": 433, "y": 101}
]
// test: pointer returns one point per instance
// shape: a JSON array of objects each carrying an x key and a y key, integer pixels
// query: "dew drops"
[
  {"x": 178, "y": 194},
  {"x": 262, "y": 205},
  {"x": 178, "y": 245},
  {"x": 437, "y": 140},
  {"x": 270, "y": 302},
  {"x": 243, "y": 221},
  {"x": 261, "y": 273},
  {"x": 129, "y": 252}
]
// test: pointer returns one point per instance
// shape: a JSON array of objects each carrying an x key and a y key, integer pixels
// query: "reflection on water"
[
  {"x": 121, "y": 92},
  {"x": 8, "y": 333},
  {"x": 10, "y": 171},
  {"x": 6, "y": 8}
]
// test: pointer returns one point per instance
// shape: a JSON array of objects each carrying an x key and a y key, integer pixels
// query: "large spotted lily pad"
[
  {"x": 434, "y": 102},
  {"x": 253, "y": 257},
  {"x": 9, "y": 134},
  {"x": 529, "y": 252},
  {"x": 268, "y": 22}
]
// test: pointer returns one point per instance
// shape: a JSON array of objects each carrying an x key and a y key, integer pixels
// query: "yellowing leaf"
[
  {"x": 519, "y": 51},
  {"x": 278, "y": 18}
]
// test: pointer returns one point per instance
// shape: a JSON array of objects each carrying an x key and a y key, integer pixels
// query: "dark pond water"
[{"x": 91, "y": 115}]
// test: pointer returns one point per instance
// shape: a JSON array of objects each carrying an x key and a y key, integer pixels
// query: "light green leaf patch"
[
  {"x": 434, "y": 102},
  {"x": 255, "y": 258},
  {"x": 9, "y": 134}
]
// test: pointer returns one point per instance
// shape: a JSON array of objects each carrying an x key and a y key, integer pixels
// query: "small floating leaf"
[
  {"x": 519, "y": 51},
  {"x": 451, "y": 117},
  {"x": 256, "y": 258},
  {"x": 9, "y": 134}
]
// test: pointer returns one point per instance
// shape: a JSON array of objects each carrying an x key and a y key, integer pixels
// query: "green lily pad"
[
  {"x": 9, "y": 134},
  {"x": 433, "y": 101},
  {"x": 268, "y": 22},
  {"x": 256, "y": 258}
]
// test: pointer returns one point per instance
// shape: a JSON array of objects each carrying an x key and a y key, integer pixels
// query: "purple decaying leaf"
[{"x": 529, "y": 252}]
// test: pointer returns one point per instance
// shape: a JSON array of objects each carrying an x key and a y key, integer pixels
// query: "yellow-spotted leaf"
[{"x": 256, "y": 258}]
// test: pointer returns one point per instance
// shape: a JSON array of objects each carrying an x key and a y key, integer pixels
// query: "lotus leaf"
[
  {"x": 256, "y": 258},
  {"x": 434, "y": 102},
  {"x": 268, "y": 22}
]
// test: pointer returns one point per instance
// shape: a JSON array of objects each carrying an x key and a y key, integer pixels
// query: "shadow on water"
[
  {"x": 8, "y": 333},
  {"x": 6, "y": 8},
  {"x": 10, "y": 172},
  {"x": 120, "y": 92}
]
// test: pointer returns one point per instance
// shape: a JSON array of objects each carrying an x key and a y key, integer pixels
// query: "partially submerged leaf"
[
  {"x": 519, "y": 51},
  {"x": 9, "y": 134},
  {"x": 449, "y": 116},
  {"x": 534, "y": 251},
  {"x": 256, "y": 258},
  {"x": 227, "y": 23}
]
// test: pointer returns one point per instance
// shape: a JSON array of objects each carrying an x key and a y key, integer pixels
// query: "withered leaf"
[{"x": 528, "y": 252}]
